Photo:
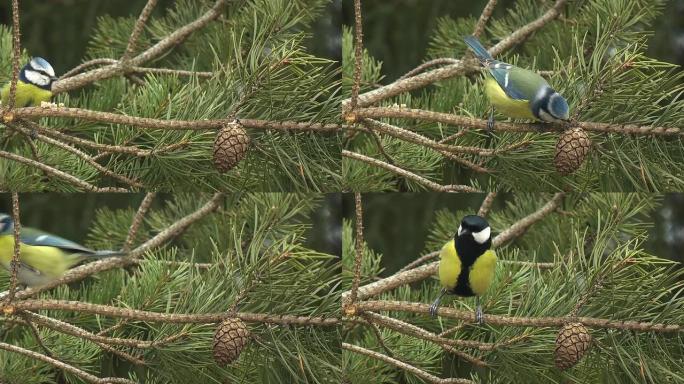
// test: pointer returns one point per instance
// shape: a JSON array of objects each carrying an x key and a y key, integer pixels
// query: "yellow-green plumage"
[
  {"x": 51, "y": 261},
  {"x": 506, "y": 105},
  {"x": 481, "y": 272},
  {"x": 27, "y": 95}
]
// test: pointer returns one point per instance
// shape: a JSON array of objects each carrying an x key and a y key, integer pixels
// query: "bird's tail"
[
  {"x": 105, "y": 254},
  {"x": 477, "y": 47}
]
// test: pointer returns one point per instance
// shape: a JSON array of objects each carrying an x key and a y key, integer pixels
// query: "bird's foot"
[
  {"x": 433, "y": 309},
  {"x": 479, "y": 318}
]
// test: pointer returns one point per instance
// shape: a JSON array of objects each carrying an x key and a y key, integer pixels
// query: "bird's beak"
[{"x": 54, "y": 78}]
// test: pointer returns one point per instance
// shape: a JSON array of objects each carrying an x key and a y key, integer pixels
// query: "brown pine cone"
[
  {"x": 571, "y": 149},
  {"x": 230, "y": 339},
  {"x": 230, "y": 146},
  {"x": 572, "y": 343}
]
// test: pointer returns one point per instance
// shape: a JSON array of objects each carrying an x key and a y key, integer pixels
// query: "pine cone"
[
  {"x": 230, "y": 146},
  {"x": 572, "y": 343},
  {"x": 571, "y": 149},
  {"x": 230, "y": 339}
]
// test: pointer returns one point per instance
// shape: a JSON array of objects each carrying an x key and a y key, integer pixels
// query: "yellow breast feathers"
[
  {"x": 28, "y": 95},
  {"x": 482, "y": 272},
  {"x": 449, "y": 266},
  {"x": 504, "y": 104}
]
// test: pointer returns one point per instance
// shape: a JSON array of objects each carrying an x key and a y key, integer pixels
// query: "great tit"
[
  {"x": 466, "y": 265},
  {"x": 34, "y": 84},
  {"x": 43, "y": 257},
  {"x": 517, "y": 92}
]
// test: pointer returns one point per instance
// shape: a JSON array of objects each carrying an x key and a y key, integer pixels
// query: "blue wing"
[
  {"x": 30, "y": 236},
  {"x": 501, "y": 72}
]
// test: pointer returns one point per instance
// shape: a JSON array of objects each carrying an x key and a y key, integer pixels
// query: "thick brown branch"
[
  {"x": 473, "y": 123},
  {"x": 512, "y": 321},
  {"x": 138, "y": 29}
]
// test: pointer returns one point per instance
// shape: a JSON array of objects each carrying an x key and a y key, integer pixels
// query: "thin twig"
[
  {"x": 71, "y": 179},
  {"x": 486, "y": 204},
  {"x": 409, "y": 175},
  {"x": 405, "y": 366},
  {"x": 138, "y": 219},
  {"x": 36, "y": 336},
  {"x": 16, "y": 55},
  {"x": 64, "y": 366},
  {"x": 428, "y": 64},
  {"x": 16, "y": 252},
  {"x": 138, "y": 28},
  {"x": 358, "y": 251},
  {"x": 484, "y": 17},
  {"x": 358, "y": 56}
]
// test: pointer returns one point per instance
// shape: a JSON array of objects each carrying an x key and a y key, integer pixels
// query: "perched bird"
[
  {"x": 466, "y": 265},
  {"x": 34, "y": 85},
  {"x": 518, "y": 92},
  {"x": 43, "y": 257}
]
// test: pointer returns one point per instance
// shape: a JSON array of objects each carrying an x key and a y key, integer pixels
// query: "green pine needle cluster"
[
  {"x": 262, "y": 70},
  {"x": 597, "y": 246},
  {"x": 240, "y": 240},
  {"x": 596, "y": 51}
]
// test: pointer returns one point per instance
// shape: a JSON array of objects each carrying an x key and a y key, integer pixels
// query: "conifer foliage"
[
  {"x": 204, "y": 276},
  {"x": 144, "y": 108},
  {"x": 576, "y": 298},
  {"x": 426, "y": 129}
]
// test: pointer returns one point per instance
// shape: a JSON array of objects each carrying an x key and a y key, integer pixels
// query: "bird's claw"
[
  {"x": 433, "y": 310},
  {"x": 479, "y": 318}
]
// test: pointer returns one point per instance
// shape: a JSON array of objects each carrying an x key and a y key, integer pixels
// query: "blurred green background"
[
  {"x": 59, "y": 30},
  {"x": 397, "y": 225},
  {"x": 397, "y": 32},
  {"x": 70, "y": 215}
]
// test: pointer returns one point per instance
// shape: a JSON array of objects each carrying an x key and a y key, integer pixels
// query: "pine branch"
[
  {"x": 59, "y": 174},
  {"x": 138, "y": 219},
  {"x": 172, "y": 318},
  {"x": 167, "y": 43},
  {"x": 427, "y": 78},
  {"x": 16, "y": 251},
  {"x": 64, "y": 366},
  {"x": 423, "y": 272},
  {"x": 484, "y": 17},
  {"x": 16, "y": 56},
  {"x": 81, "y": 272},
  {"x": 138, "y": 29},
  {"x": 407, "y": 367},
  {"x": 409, "y": 175},
  {"x": 512, "y": 321},
  {"x": 472, "y": 123}
]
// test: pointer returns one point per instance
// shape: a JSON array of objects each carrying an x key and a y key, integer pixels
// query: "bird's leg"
[
  {"x": 490, "y": 121},
  {"x": 478, "y": 311},
  {"x": 435, "y": 304}
]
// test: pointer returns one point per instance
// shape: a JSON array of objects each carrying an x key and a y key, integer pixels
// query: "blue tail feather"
[{"x": 478, "y": 48}]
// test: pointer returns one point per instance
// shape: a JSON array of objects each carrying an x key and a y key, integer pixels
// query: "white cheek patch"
[
  {"x": 482, "y": 236},
  {"x": 460, "y": 230},
  {"x": 547, "y": 117},
  {"x": 36, "y": 78}
]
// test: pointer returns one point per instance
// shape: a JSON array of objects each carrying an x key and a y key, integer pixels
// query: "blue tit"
[
  {"x": 34, "y": 84},
  {"x": 517, "y": 92},
  {"x": 467, "y": 265},
  {"x": 43, "y": 257}
]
